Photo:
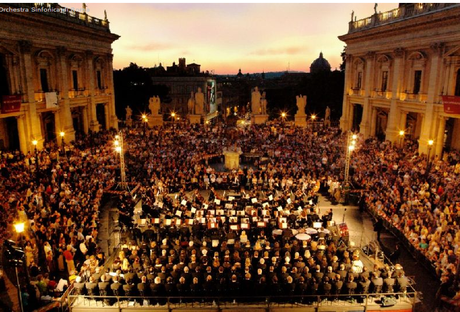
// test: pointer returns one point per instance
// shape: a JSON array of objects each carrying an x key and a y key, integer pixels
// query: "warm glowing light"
[
  {"x": 430, "y": 142},
  {"x": 62, "y": 133},
  {"x": 283, "y": 114},
  {"x": 117, "y": 137},
  {"x": 351, "y": 148},
  {"x": 353, "y": 142},
  {"x": 313, "y": 117},
  {"x": 19, "y": 227},
  {"x": 35, "y": 142},
  {"x": 207, "y": 122},
  {"x": 144, "y": 117},
  {"x": 173, "y": 114},
  {"x": 116, "y": 143},
  {"x": 401, "y": 132},
  {"x": 354, "y": 136},
  {"x": 118, "y": 149}
]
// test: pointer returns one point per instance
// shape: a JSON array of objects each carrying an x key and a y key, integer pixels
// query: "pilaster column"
[
  {"x": 93, "y": 123},
  {"x": 392, "y": 131},
  {"x": 113, "y": 119},
  {"x": 64, "y": 109},
  {"x": 23, "y": 144},
  {"x": 31, "y": 114},
  {"x": 427, "y": 128},
  {"x": 373, "y": 122},
  {"x": 345, "y": 118},
  {"x": 403, "y": 119},
  {"x": 439, "y": 142},
  {"x": 84, "y": 114},
  {"x": 367, "y": 110}
]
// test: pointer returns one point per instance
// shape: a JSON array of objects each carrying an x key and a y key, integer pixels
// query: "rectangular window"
[
  {"x": 75, "y": 79},
  {"x": 417, "y": 81},
  {"x": 99, "y": 79},
  {"x": 358, "y": 82},
  {"x": 384, "y": 81},
  {"x": 44, "y": 79}
]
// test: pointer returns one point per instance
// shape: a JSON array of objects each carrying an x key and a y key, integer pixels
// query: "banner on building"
[
  {"x": 51, "y": 100},
  {"x": 11, "y": 104},
  {"x": 451, "y": 104}
]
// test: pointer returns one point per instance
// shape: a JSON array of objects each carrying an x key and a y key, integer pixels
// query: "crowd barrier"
[{"x": 355, "y": 302}]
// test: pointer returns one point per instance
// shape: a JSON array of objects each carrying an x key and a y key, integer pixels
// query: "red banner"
[
  {"x": 11, "y": 104},
  {"x": 451, "y": 104}
]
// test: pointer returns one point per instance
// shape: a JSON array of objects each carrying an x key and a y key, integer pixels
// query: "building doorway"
[
  {"x": 452, "y": 134},
  {"x": 12, "y": 139},
  {"x": 357, "y": 117},
  {"x": 77, "y": 120},
  {"x": 413, "y": 125},
  {"x": 48, "y": 126},
  {"x": 100, "y": 114},
  {"x": 381, "y": 124}
]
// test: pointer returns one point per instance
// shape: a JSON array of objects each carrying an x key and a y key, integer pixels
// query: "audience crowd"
[{"x": 61, "y": 202}]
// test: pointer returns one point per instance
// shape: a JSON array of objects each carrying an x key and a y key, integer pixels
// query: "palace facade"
[
  {"x": 56, "y": 75},
  {"x": 399, "y": 65}
]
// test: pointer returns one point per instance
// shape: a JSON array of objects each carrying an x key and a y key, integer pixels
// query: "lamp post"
[
  {"x": 428, "y": 161},
  {"x": 283, "y": 117},
  {"x": 351, "y": 144},
  {"x": 119, "y": 148},
  {"x": 144, "y": 119},
  {"x": 173, "y": 116},
  {"x": 62, "y": 133},
  {"x": 34, "y": 143},
  {"x": 313, "y": 118},
  {"x": 18, "y": 256},
  {"x": 401, "y": 138}
]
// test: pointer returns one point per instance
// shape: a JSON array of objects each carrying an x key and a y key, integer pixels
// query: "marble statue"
[
  {"x": 199, "y": 102},
  {"x": 129, "y": 112},
  {"x": 263, "y": 103},
  {"x": 255, "y": 101},
  {"x": 191, "y": 104},
  {"x": 301, "y": 103},
  {"x": 327, "y": 117},
  {"x": 154, "y": 105}
]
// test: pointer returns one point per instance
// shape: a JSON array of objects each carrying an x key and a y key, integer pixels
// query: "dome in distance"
[{"x": 320, "y": 65}]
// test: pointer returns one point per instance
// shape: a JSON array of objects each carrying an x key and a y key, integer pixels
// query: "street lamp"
[
  {"x": 34, "y": 143},
  {"x": 144, "y": 119},
  {"x": 119, "y": 149},
  {"x": 173, "y": 116},
  {"x": 313, "y": 118},
  {"x": 351, "y": 145},
  {"x": 16, "y": 257},
  {"x": 428, "y": 164},
  {"x": 62, "y": 133},
  {"x": 401, "y": 138},
  {"x": 283, "y": 117}
]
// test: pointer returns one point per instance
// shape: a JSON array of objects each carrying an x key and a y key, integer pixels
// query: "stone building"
[
  {"x": 56, "y": 74},
  {"x": 181, "y": 80},
  {"x": 399, "y": 66}
]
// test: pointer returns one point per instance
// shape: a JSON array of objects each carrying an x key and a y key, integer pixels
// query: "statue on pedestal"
[
  {"x": 191, "y": 104},
  {"x": 255, "y": 101},
  {"x": 129, "y": 112},
  {"x": 154, "y": 105},
  {"x": 263, "y": 104},
  {"x": 199, "y": 102},
  {"x": 301, "y": 103},
  {"x": 327, "y": 117}
]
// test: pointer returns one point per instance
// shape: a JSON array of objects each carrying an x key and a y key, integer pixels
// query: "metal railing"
[{"x": 249, "y": 303}]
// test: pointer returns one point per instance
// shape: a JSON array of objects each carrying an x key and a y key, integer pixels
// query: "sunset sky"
[{"x": 223, "y": 37}]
